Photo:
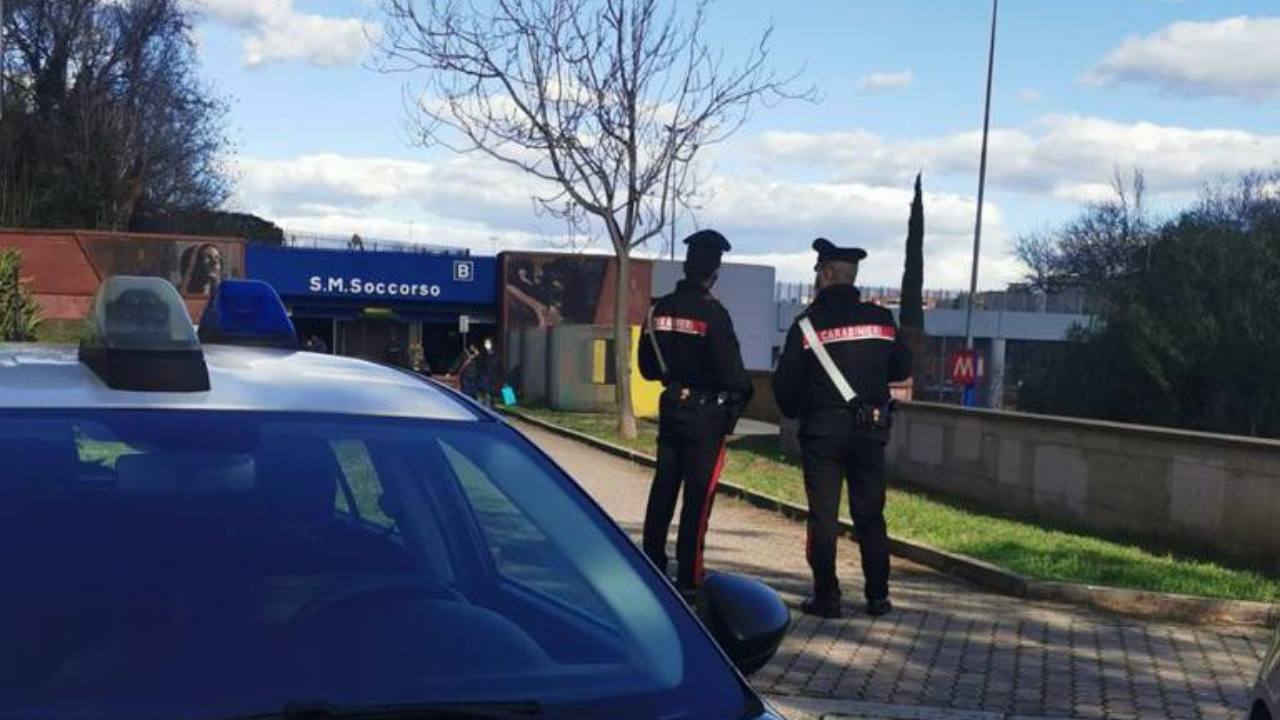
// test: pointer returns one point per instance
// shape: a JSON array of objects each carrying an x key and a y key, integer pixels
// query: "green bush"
[{"x": 19, "y": 312}]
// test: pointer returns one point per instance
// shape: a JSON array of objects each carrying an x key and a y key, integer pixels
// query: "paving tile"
[{"x": 950, "y": 647}]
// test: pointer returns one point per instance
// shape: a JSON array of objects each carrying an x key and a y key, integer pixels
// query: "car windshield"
[{"x": 201, "y": 565}]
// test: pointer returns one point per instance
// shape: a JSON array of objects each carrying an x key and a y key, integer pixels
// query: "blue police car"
[
  {"x": 216, "y": 525},
  {"x": 1266, "y": 696}
]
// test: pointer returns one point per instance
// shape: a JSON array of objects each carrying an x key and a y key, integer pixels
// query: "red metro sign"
[{"x": 965, "y": 367}]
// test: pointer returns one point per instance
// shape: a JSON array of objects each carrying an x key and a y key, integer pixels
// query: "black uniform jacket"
[
  {"x": 861, "y": 338},
  {"x": 698, "y": 344}
]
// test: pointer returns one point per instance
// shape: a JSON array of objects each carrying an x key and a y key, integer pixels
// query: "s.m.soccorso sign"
[
  {"x": 381, "y": 288},
  {"x": 388, "y": 277}
]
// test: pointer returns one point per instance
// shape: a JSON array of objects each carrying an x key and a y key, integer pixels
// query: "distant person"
[
  {"x": 467, "y": 377},
  {"x": 834, "y": 374},
  {"x": 316, "y": 344},
  {"x": 689, "y": 345},
  {"x": 417, "y": 358},
  {"x": 479, "y": 374},
  {"x": 491, "y": 373},
  {"x": 394, "y": 353}
]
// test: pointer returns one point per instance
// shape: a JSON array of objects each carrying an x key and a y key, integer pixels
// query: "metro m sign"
[{"x": 965, "y": 367}]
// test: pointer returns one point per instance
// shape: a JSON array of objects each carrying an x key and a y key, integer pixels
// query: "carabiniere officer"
[
  {"x": 689, "y": 344},
  {"x": 834, "y": 374}
]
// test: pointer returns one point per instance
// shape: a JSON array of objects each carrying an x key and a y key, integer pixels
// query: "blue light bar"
[
  {"x": 247, "y": 312},
  {"x": 138, "y": 336}
]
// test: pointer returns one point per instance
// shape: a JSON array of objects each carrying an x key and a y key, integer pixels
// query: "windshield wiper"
[{"x": 503, "y": 710}]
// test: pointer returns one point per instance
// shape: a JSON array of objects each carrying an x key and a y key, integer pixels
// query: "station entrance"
[{"x": 399, "y": 308}]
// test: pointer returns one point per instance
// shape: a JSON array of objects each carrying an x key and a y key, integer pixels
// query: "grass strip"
[{"x": 1040, "y": 550}]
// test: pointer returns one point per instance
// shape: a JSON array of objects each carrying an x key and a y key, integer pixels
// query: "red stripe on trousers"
[{"x": 706, "y": 514}]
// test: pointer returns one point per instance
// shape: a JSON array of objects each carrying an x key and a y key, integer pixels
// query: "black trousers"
[
  {"x": 828, "y": 463},
  {"x": 694, "y": 464}
]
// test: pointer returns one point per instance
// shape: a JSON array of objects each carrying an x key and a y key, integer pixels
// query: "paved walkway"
[{"x": 948, "y": 646}]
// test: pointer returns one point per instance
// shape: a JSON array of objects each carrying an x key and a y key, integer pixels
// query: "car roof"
[{"x": 240, "y": 378}]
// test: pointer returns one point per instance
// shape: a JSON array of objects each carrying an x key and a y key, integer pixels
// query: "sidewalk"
[
  {"x": 948, "y": 646},
  {"x": 747, "y": 426}
]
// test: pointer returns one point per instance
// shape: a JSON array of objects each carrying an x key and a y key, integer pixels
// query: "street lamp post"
[{"x": 982, "y": 185}]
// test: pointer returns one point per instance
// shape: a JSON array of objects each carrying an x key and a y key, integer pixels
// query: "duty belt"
[
  {"x": 866, "y": 415},
  {"x": 876, "y": 417},
  {"x": 686, "y": 394}
]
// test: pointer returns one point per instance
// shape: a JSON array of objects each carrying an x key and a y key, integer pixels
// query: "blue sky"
[{"x": 1188, "y": 91}]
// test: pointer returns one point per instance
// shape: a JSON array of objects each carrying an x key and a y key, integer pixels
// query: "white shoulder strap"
[
  {"x": 653, "y": 340},
  {"x": 824, "y": 359}
]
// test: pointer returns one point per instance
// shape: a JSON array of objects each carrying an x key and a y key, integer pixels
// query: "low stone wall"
[{"x": 1197, "y": 489}]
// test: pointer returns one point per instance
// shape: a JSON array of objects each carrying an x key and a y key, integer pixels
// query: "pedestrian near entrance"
[
  {"x": 467, "y": 375},
  {"x": 487, "y": 373},
  {"x": 834, "y": 374},
  {"x": 689, "y": 344}
]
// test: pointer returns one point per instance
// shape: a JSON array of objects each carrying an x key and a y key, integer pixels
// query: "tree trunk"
[{"x": 622, "y": 347}]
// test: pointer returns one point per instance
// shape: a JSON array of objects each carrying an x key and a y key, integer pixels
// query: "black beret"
[
  {"x": 828, "y": 252},
  {"x": 708, "y": 240},
  {"x": 702, "y": 258}
]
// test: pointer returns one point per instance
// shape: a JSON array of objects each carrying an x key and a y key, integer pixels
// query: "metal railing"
[
  {"x": 1071, "y": 302},
  {"x": 333, "y": 241},
  {"x": 795, "y": 292},
  {"x": 1068, "y": 302}
]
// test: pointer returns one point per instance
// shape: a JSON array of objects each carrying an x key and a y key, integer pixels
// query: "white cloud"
[
  {"x": 1058, "y": 155},
  {"x": 1030, "y": 95},
  {"x": 461, "y": 188},
  {"x": 430, "y": 231},
  {"x": 854, "y": 188},
  {"x": 274, "y": 31},
  {"x": 465, "y": 201},
  {"x": 884, "y": 81},
  {"x": 1236, "y": 57},
  {"x": 774, "y": 222}
]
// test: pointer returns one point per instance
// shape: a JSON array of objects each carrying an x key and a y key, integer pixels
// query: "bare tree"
[
  {"x": 106, "y": 120},
  {"x": 607, "y": 101},
  {"x": 1107, "y": 241}
]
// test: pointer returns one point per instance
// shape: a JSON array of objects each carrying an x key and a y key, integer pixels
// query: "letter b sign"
[{"x": 464, "y": 271}]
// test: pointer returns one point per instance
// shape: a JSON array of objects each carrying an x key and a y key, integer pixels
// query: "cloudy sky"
[{"x": 1187, "y": 90}]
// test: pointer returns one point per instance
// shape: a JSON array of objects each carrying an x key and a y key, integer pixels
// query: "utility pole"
[{"x": 970, "y": 394}]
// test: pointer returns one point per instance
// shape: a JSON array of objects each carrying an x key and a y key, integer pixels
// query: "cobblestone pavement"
[{"x": 949, "y": 645}]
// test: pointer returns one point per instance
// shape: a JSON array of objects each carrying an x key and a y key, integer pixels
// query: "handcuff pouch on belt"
[
  {"x": 704, "y": 411},
  {"x": 715, "y": 412},
  {"x": 866, "y": 415}
]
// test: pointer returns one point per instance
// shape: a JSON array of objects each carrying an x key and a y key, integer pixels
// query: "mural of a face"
[
  {"x": 209, "y": 261},
  {"x": 201, "y": 269}
]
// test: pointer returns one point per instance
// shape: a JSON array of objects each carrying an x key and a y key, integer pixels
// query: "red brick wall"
[{"x": 59, "y": 269}]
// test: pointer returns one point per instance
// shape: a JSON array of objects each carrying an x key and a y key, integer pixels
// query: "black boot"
[
  {"x": 824, "y": 607},
  {"x": 689, "y": 593},
  {"x": 879, "y": 608}
]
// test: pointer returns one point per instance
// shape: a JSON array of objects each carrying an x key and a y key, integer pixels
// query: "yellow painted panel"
[
  {"x": 644, "y": 393},
  {"x": 599, "y": 361}
]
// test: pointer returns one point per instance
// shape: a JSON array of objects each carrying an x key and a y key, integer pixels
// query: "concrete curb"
[
  {"x": 799, "y": 707},
  {"x": 1136, "y": 603}
]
